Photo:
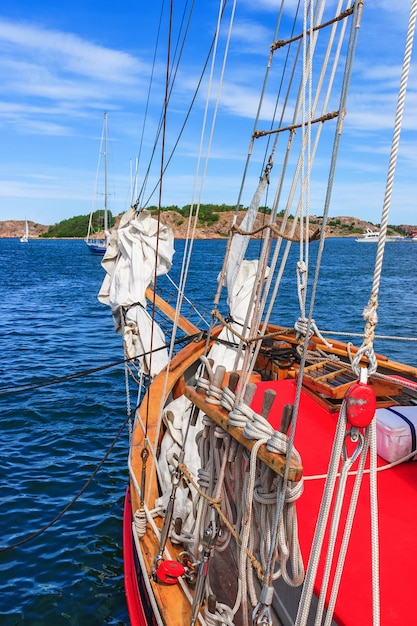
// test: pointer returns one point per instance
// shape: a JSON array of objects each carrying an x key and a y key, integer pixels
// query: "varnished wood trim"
[{"x": 276, "y": 462}]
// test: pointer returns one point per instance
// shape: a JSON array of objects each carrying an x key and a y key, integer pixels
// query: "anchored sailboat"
[
  {"x": 98, "y": 224},
  {"x": 25, "y": 237},
  {"x": 267, "y": 483}
]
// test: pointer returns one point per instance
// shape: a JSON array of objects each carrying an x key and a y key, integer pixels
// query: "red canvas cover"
[{"x": 397, "y": 514}]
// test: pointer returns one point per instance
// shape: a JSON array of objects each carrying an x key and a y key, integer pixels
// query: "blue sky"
[{"x": 63, "y": 64}]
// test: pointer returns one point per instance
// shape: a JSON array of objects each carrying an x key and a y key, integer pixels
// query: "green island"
[{"x": 213, "y": 219}]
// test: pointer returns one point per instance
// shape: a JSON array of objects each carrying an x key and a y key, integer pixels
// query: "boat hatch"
[{"x": 331, "y": 380}]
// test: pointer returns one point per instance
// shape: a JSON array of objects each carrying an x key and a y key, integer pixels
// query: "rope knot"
[
  {"x": 257, "y": 427},
  {"x": 370, "y": 315},
  {"x": 240, "y": 415},
  {"x": 301, "y": 327}
]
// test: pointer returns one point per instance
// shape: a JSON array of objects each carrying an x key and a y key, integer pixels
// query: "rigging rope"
[
  {"x": 62, "y": 379},
  {"x": 171, "y": 80},
  {"x": 145, "y": 117},
  {"x": 370, "y": 311},
  {"x": 197, "y": 89},
  {"x": 306, "y": 597},
  {"x": 164, "y": 122},
  {"x": 194, "y": 215}
]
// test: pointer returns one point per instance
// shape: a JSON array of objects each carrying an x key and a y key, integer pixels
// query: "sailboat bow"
[{"x": 264, "y": 458}]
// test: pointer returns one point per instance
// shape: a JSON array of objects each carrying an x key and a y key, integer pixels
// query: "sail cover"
[
  {"x": 135, "y": 248},
  {"x": 239, "y": 299},
  {"x": 240, "y": 279},
  {"x": 240, "y": 242}
]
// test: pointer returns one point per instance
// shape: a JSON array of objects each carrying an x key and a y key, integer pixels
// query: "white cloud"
[
  {"x": 68, "y": 52},
  {"x": 55, "y": 82},
  {"x": 60, "y": 72}
]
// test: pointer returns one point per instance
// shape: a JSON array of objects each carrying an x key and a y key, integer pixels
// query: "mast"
[{"x": 105, "y": 175}]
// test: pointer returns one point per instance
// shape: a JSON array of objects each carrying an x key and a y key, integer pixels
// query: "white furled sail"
[
  {"x": 240, "y": 242},
  {"x": 130, "y": 268},
  {"x": 239, "y": 300}
]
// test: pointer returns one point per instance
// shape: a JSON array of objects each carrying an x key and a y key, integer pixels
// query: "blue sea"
[{"x": 54, "y": 437}]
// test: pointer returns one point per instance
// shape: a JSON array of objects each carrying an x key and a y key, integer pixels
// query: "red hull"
[{"x": 138, "y": 604}]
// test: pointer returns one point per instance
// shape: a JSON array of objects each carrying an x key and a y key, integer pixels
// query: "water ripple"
[{"x": 53, "y": 438}]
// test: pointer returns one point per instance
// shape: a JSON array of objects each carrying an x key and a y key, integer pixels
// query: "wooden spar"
[{"x": 185, "y": 325}]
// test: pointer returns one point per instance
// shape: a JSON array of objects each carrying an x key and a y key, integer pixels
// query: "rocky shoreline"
[
  {"x": 341, "y": 226},
  {"x": 16, "y": 228}
]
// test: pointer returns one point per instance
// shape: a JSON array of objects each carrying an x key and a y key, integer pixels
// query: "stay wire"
[
  {"x": 164, "y": 124},
  {"x": 172, "y": 78},
  {"x": 145, "y": 118},
  {"x": 197, "y": 89},
  {"x": 62, "y": 379}
]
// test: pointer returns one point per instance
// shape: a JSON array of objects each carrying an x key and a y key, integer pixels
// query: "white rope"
[
  {"x": 246, "y": 527},
  {"x": 278, "y": 443},
  {"x": 257, "y": 427},
  {"x": 346, "y": 533},
  {"x": 214, "y": 395},
  {"x": 223, "y": 615},
  {"x": 128, "y": 403},
  {"x": 139, "y": 520},
  {"x": 240, "y": 415},
  {"x": 380, "y": 468},
  {"x": 213, "y": 392},
  {"x": 228, "y": 399},
  {"x": 201, "y": 380},
  {"x": 376, "y": 610},
  {"x": 407, "y": 384},
  {"x": 253, "y": 493},
  {"x": 167, "y": 555},
  {"x": 214, "y": 459},
  {"x": 191, "y": 231},
  {"x": 329, "y": 54},
  {"x": 307, "y": 591},
  {"x": 277, "y": 280},
  {"x": 302, "y": 283},
  {"x": 303, "y": 326},
  {"x": 188, "y": 301},
  {"x": 192, "y": 220},
  {"x": 306, "y": 95},
  {"x": 348, "y": 334},
  {"x": 286, "y": 544},
  {"x": 361, "y": 452}
]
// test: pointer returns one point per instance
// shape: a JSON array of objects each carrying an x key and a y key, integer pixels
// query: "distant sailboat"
[
  {"x": 97, "y": 235},
  {"x": 25, "y": 237}
]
